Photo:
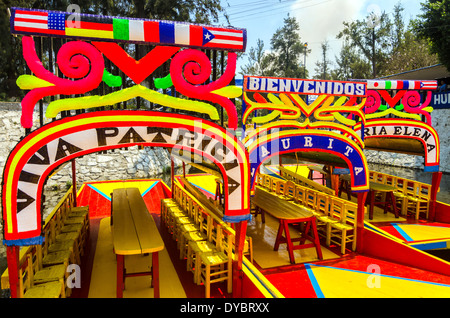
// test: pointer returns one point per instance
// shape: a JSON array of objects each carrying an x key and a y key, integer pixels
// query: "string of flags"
[{"x": 94, "y": 27}]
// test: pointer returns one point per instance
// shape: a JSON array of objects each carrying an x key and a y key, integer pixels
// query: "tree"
[
  {"x": 323, "y": 67},
  {"x": 413, "y": 53},
  {"x": 350, "y": 65},
  {"x": 372, "y": 39},
  {"x": 433, "y": 25},
  {"x": 287, "y": 50},
  {"x": 259, "y": 61}
]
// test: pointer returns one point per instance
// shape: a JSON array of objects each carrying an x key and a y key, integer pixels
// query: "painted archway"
[
  {"x": 309, "y": 140},
  {"x": 40, "y": 152},
  {"x": 409, "y": 130}
]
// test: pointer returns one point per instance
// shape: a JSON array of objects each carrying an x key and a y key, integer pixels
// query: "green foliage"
[
  {"x": 259, "y": 61},
  {"x": 433, "y": 25},
  {"x": 287, "y": 50},
  {"x": 372, "y": 40},
  {"x": 386, "y": 47}
]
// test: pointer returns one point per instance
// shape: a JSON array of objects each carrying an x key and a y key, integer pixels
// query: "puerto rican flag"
[
  {"x": 40, "y": 22},
  {"x": 218, "y": 37},
  {"x": 428, "y": 85}
]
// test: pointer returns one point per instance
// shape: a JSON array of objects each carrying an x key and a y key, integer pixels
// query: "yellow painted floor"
[
  {"x": 345, "y": 283},
  {"x": 103, "y": 281}
]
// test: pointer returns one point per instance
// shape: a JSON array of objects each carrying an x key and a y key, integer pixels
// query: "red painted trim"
[
  {"x": 442, "y": 212},
  {"x": 12, "y": 257}
]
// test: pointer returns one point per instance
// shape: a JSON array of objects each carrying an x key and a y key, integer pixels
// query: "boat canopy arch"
[
  {"x": 404, "y": 136},
  {"x": 43, "y": 150},
  {"x": 408, "y": 129},
  {"x": 312, "y": 118},
  {"x": 316, "y": 143}
]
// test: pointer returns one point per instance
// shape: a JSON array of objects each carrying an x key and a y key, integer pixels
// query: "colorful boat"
[{"x": 230, "y": 230}]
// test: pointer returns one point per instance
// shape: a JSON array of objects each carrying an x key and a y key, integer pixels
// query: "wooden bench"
[
  {"x": 288, "y": 213},
  {"x": 134, "y": 233}
]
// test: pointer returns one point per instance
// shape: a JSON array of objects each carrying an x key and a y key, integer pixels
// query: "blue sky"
[{"x": 319, "y": 20}]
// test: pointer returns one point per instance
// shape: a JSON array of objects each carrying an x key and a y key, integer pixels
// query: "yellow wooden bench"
[{"x": 300, "y": 180}]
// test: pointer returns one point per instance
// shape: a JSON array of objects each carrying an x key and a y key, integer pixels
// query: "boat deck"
[{"x": 337, "y": 275}]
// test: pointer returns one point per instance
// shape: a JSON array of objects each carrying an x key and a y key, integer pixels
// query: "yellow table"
[
  {"x": 287, "y": 213},
  {"x": 134, "y": 233}
]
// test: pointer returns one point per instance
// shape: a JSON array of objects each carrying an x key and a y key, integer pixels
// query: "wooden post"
[
  {"x": 184, "y": 169},
  {"x": 436, "y": 180},
  {"x": 12, "y": 257},
  {"x": 360, "y": 221},
  {"x": 74, "y": 183},
  {"x": 172, "y": 175},
  {"x": 238, "y": 275}
]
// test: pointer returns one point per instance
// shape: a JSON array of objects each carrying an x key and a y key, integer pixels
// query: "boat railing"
[
  {"x": 181, "y": 195},
  {"x": 298, "y": 179}
]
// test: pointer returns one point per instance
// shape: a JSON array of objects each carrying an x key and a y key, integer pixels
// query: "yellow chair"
[
  {"x": 56, "y": 243},
  {"x": 419, "y": 201},
  {"x": 300, "y": 195},
  {"x": 58, "y": 252},
  {"x": 197, "y": 247},
  {"x": 267, "y": 181},
  {"x": 343, "y": 230},
  {"x": 310, "y": 198},
  {"x": 49, "y": 273},
  {"x": 29, "y": 289},
  {"x": 280, "y": 188},
  {"x": 217, "y": 266},
  {"x": 260, "y": 179},
  {"x": 199, "y": 232},
  {"x": 400, "y": 194},
  {"x": 288, "y": 191},
  {"x": 174, "y": 213},
  {"x": 165, "y": 205},
  {"x": 78, "y": 211}
]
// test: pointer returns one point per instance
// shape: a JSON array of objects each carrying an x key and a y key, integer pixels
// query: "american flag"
[{"x": 40, "y": 22}]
